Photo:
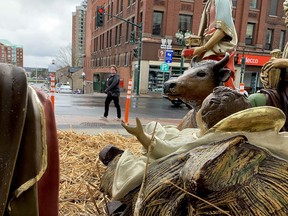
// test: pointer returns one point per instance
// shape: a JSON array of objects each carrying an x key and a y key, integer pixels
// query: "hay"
[{"x": 81, "y": 170}]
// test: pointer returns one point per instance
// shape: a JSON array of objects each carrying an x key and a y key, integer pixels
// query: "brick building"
[
  {"x": 259, "y": 25},
  {"x": 11, "y": 53},
  {"x": 78, "y": 34}
]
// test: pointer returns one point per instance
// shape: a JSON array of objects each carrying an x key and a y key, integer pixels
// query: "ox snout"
[{"x": 168, "y": 87}]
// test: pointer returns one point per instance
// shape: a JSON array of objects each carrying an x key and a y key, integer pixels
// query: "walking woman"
[{"x": 113, "y": 93}]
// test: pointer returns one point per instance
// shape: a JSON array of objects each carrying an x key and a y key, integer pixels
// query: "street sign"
[
  {"x": 161, "y": 54},
  {"x": 164, "y": 44},
  {"x": 169, "y": 46},
  {"x": 168, "y": 56},
  {"x": 164, "y": 67}
]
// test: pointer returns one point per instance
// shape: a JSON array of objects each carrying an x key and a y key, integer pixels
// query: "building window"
[
  {"x": 157, "y": 23},
  {"x": 116, "y": 35},
  {"x": 282, "y": 40},
  {"x": 127, "y": 32},
  {"x": 120, "y": 34},
  {"x": 253, "y": 4},
  {"x": 249, "y": 34},
  {"x": 133, "y": 21},
  {"x": 117, "y": 7},
  {"x": 234, "y": 3},
  {"x": 126, "y": 59},
  {"x": 273, "y": 8},
  {"x": 107, "y": 39},
  {"x": 121, "y": 5},
  {"x": 185, "y": 23},
  {"x": 118, "y": 60},
  {"x": 112, "y": 5},
  {"x": 110, "y": 39},
  {"x": 269, "y": 39}
]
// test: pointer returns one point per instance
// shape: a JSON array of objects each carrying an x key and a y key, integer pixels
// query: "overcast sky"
[{"x": 42, "y": 27}]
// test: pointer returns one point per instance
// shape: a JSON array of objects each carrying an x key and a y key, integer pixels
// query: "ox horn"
[
  {"x": 193, "y": 61},
  {"x": 220, "y": 64}
]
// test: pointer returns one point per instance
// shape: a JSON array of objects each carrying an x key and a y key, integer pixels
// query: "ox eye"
[{"x": 201, "y": 74}]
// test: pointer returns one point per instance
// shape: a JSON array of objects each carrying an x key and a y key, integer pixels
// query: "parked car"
[
  {"x": 65, "y": 89},
  {"x": 58, "y": 86}
]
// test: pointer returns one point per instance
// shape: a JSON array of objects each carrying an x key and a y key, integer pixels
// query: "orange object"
[
  {"x": 52, "y": 91},
  {"x": 128, "y": 98},
  {"x": 241, "y": 89},
  {"x": 187, "y": 53},
  {"x": 230, "y": 83}
]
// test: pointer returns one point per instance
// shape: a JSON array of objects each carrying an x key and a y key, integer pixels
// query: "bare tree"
[{"x": 64, "y": 57}]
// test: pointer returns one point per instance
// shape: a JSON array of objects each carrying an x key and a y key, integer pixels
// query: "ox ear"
[{"x": 224, "y": 74}]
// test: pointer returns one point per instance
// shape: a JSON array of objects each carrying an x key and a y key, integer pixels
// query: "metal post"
[
  {"x": 83, "y": 80},
  {"x": 182, "y": 59},
  {"x": 139, "y": 59},
  {"x": 83, "y": 84},
  {"x": 243, "y": 63}
]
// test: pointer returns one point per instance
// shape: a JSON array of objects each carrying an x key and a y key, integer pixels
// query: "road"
[
  {"x": 81, "y": 113},
  {"x": 91, "y": 105}
]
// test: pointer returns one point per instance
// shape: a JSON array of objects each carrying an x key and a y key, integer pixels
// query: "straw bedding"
[{"x": 81, "y": 170}]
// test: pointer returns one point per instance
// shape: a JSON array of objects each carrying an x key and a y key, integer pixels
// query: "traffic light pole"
[
  {"x": 139, "y": 49},
  {"x": 139, "y": 59}
]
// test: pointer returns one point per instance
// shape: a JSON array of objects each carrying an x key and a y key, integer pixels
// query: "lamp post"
[
  {"x": 243, "y": 63},
  {"x": 83, "y": 77},
  {"x": 181, "y": 39}
]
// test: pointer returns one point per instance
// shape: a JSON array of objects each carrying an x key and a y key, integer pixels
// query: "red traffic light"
[{"x": 100, "y": 10}]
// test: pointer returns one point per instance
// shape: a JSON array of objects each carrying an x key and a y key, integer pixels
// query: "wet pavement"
[{"x": 93, "y": 125}]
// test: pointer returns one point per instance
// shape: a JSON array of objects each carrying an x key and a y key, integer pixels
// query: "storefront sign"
[{"x": 254, "y": 60}]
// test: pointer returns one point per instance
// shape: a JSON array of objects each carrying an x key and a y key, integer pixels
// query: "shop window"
[
  {"x": 156, "y": 79},
  {"x": 185, "y": 23},
  {"x": 157, "y": 23},
  {"x": 273, "y": 7},
  {"x": 249, "y": 34}
]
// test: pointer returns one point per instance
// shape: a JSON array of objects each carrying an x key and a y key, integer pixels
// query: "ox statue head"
[{"x": 196, "y": 83}]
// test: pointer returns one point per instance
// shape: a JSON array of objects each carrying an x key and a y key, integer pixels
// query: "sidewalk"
[{"x": 94, "y": 125}]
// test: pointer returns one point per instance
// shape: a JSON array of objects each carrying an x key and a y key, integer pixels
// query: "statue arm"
[
  {"x": 257, "y": 99},
  {"x": 138, "y": 131},
  {"x": 217, "y": 36}
]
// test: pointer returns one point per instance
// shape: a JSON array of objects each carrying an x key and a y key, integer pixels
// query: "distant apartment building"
[
  {"x": 78, "y": 34},
  {"x": 11, "y": 53},
  {"x": 259, "y": 25}
]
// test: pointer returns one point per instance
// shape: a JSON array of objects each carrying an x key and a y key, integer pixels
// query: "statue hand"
[
  {"x": 275, "y": 63},
  {"x": 199, "y": 50},
  {"x": 138, "y": 131}
]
